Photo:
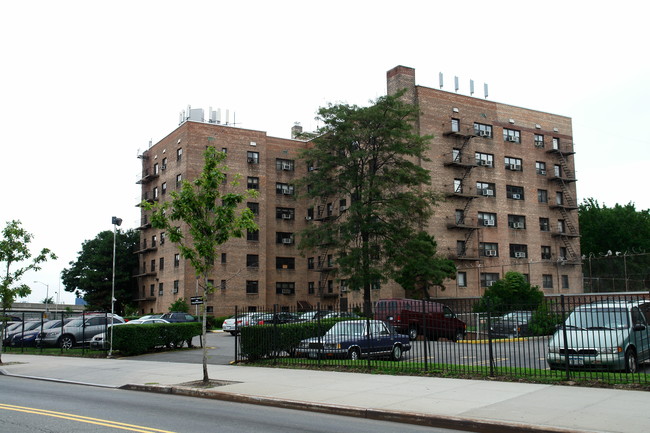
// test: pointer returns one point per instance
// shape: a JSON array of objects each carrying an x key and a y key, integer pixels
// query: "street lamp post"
[
  {"x": 47, "y": 294},
  {"x": 116, "y": 222}
]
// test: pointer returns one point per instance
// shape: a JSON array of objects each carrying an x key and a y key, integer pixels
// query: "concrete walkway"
[{"x": 472, "y": 405}]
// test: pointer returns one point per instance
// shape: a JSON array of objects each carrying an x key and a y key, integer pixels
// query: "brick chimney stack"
[{"x": 402, "y": 77}]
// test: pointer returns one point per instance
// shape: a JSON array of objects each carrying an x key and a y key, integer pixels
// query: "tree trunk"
[{"x": 204, "y": 332}]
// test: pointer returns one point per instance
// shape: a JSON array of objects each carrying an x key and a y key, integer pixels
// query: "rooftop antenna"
[
  {"x": 456, "y": 83},
  {"x": 485, "y": 90},
  {"x": 440, "y": 79},
  {"x": 471, "y": 87}
]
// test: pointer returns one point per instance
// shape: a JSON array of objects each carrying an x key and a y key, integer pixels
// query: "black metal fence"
[
  {"x": 31, "y": 335},
  {"x": 598, "y": 337}
]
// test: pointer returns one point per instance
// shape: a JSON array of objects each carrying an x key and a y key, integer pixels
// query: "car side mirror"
[{"x": 639, "y": 327}]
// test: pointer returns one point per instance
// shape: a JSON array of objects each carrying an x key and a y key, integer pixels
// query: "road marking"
[{"x": 85, "y": 419}]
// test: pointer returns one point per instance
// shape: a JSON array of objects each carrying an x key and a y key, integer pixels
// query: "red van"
[{"x": 413, "y": 317}]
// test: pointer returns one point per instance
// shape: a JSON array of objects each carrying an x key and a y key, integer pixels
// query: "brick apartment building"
[{"x": 506, "y": 175}]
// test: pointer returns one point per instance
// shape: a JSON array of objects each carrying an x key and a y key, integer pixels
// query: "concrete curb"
[{"x": 438, "y": 421}]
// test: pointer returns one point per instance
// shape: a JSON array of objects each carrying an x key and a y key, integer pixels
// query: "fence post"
[
  {"x": 424, "y": 334},
  {"x": 275, "y": 331},
  {"x": 564, "y": 336},
  {"x": 319, "y": 329},
  {"x": 236, "y": 336},
  {"x": 489, "y": 326}
]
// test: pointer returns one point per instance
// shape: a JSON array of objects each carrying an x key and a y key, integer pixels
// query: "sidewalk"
[{"x": 471, "y": 405}]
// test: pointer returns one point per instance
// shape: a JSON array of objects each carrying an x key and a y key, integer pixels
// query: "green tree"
[
  {"x": 17, "y": 260},
  {"x": 510, "y": 293},
  {"x": 420, "y": 268},
  {"x": 369, "y": 156},
  {"x": 91, "y": 274},
  {"x": 210, "y": 218},
  {"x": 179, "y": 305}
]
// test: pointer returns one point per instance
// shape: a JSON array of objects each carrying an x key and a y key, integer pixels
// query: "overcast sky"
[{"x": 85, "y": 86}]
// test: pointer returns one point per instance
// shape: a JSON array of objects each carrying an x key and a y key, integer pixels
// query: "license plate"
[{"x": 574, "y": 360}]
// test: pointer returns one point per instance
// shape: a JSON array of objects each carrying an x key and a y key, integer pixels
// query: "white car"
[
  {"x": 235, "y": 323},
  {"x": 101, "y": 342}
]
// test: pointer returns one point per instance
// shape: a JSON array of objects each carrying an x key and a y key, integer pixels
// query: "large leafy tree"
[
  {"x": 369, "y": 156},
  {"x": 616, "y": 244},
  {"x": 200, "y": 218},
  {"x": 17, "y": 259},
  {"x": 90, "y": 275},
  {"x": 420, "y": 268},
  {"x": 512, "y": 292}
]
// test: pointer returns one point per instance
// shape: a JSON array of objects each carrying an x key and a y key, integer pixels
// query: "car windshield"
[
  {"x": 75, "y": 323},
  {"x": 518, "y": 315},
  {"x": 599, "y": 318},
  {"x": 348, "y": 328}
]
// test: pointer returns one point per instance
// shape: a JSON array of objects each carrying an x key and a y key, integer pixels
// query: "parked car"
[
  {"x": 150, "y": 316},
  {"x": 511, "y": 325},
  {"x": 612, "y": 335},
  {"x": 308, "y": 316},
  {"x": 278, "y": 318},
  {"x": 341, "y": 314},
  {"x": 235, "y": 323},
  {"x": 414, "y": 317},
  {"x": 28, "y": 339},
  {"x": 178, "y": 317},
  {"x": 354, "y": 339},
  {"x": 19, "y": 328},
  {"x": 102, "y": 341},
  {"x": 77, "y": 331}
]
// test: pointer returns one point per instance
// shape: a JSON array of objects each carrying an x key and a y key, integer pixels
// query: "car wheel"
[
  {"x": 459, "y": 335},
  {"x": 396, "y": 353},
  {"x": 631, "y": 363},
  {"x": 233, "y": 333},
  {"x": 66, "y": 342},
  {"x": 354, "y": 354},
  {"x": 413, "y": 333}
]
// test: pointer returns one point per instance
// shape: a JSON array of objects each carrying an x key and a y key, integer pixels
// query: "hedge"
[{"x": 138, "y": 339}]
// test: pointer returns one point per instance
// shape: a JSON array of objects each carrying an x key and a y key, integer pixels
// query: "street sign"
[{"x": 196, "y": 300}]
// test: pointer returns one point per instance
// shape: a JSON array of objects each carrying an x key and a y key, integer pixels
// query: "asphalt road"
[
  {"x": 28, "y": 406},
  {"x": 221, "y": 351}
]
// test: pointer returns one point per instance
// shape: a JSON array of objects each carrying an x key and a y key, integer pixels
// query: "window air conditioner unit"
[
  {"x": 484, "y": 133},
  {"x": 488, "y": 192},
  {"x": 251, "y": 160},
  {"x": 286, "y": 291},
  {"x": 287, "y": 241},
  {"x": 308, "y": 218},
  {"x": 286, "y": 216},
  {"x": 481, "y": 162},
  {"x": 512, "y": 139},
  {"x": 489, "y": 283},
  {"x": 516, "y": 196},
  {"x": 542, "y": 172},
  {"x": 517, "y": 225},
  {"x": 342, "y": 208},
  {"x": 287, "y": 192},
  {"x": 488, "y": 223},
  {"x": 286, "y": 166},
  {"x": 520, "y": 255},
  {"x": 516, "y": 167},
  {"x": 163, "y": 167},
  {"x": 491, "y": 253},
  {"x": 310, "y": 168},
  {"x": 539, "y": 145}
]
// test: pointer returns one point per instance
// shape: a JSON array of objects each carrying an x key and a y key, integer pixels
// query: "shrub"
[
  {"x": 137, "y": 339},
  {"x": 543, "y": 321}
]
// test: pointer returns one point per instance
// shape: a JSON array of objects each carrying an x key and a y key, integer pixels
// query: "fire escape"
[
  {"x": 563, "y": 176},
  {"x": 323, "y": 213},
  {"x": 463, "y": 164}
]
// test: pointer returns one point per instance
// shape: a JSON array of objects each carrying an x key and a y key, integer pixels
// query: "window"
[
  {"x": 556, "y": 143},
  {"x": 153, "y": 240},
  {"x": 252, "y": 235},
  {"x": 222, "y": 285},
  {"x": 224, "y": 150},
  {"x": 539, "y": 141},
  {"x": 487, "y": 219},
  {"x": 153, "y": 265},
  {"x": 284, "y": 288},
  {"x": 518, "y": 251},
  {"x": 513, "y": 164},
  {"x": 252, "y": 260},
  {"x": 161, "y": 263},
  {"x": 546, "y": 252},
  {"x": 285, "y": 213},
  {"x": 152, "y": 290},
  {"x": 559, "y": 198},
  {"x": 544, "y": 224},
  {"x": 179, "y": 154},
  {"x": 542, "y": 196},
  {"x": 561, "y": 227},
  {"x": 311, "y": 288},
  {"x": 284, "y": 164},
  {"x": 310, "y": 213},
  {"x": 310, "y": 263},
  {"x": 252, "y": 287},
  {"x": 484, "y": 159},
  {"x": 253, "y": 183},
  {"x": 343, "y": 205},
  {"x": 489, "y": 278},
  {"x": 458, "y": 186},
  {"x": 253, "y": 157},
  {"x": 164, "y": 164},
  {"x": 515, "y": 192},
  {"x": 488, "y": 249},
  {"x": 285, "y": 263},
  {"x": 511, "y": 135},
  {"x": 516, "y": 221},
  {"x": 455, "y": 125},
  {"x": 179, "y": 181},
  {"x": 461, "y": 277},
  {"x": 224, "y": 258},
  {"x": 485, "y": 189},
  {"x": 163, "y": 188},
  {"x": 455, "y": 155},
  {"x": 155, "y": 193},
  {"x": 563, "y": 253},
  {"x": 547, "y": 281},
  {"x": 254, "y": 207},
  {"x": 483, "y": 130},
  {"x": 160, "y": 289},
  {"x": 540, "y": 168},
  {"x": 460, "y": 248},
  {"x": 177, "y": 260},
  {"x": 156, "y": 169},
  {"x": 176, "y": 286},
  {"x": 283, "y": 188},
  {"x": 284, "y": 238}
]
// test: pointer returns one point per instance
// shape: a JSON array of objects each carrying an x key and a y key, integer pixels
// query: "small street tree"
[
  {"x": 420, "y": 268},
  {"x": 199, "y": 218},
  {"x": 91, "y": 276},
  {"x": 367, "y": 158},
  {"x": 14, "y": 251},
  {"x": 512, "y": 292}
]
